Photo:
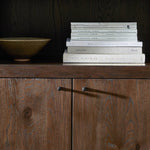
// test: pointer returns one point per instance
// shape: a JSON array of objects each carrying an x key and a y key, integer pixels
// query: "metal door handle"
[
  {"x": 63, "y": 89},
  {"x": 84, "y": 89},
  {"x": 59, "y": 88}
]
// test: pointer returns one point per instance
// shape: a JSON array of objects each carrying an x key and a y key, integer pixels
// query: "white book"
[
  {"x": 103, "y": 58},
  {"x": 103, "y": 30},
  {"x": 103, "y": 38},
  {"x": 103, "y": 43},
  {"x": 107, "y": 34},
  {"x": 103, "y": 24},
  {"x": 100, "y": 64},
  {"x": 105, "y": 50}
]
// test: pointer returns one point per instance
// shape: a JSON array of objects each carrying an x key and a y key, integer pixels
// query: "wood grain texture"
[
  {"x": 34, "y": 115},
  {"x": 110, "y": 121},
  {"x": 51, "y": 18},
  {"x": 60, "y": 71}
]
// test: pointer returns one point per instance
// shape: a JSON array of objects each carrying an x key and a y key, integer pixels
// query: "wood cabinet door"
[
  {"x": 34, "y": 115},
  {"x": 111, "y": 114}
]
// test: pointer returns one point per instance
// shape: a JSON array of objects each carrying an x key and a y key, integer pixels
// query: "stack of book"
[{"x": 111, "y": 43}]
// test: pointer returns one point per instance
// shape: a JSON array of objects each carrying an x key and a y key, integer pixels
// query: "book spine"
[
  {"x": 97, "y": 23},
  {"x": 104, "y": 38},
  {"x": 108, "y": 34},
  {"x": 101, "y": 58},
  {"x": 103, "y": 64},
  {"x": 105, "y": 50},
  {"x": 102, "y": 30},
  {"x": 102, "y": 43},
  {"x": 103, "y": 24}
]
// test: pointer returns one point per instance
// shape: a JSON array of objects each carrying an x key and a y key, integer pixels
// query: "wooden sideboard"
[{"x": 56, "y": 107}]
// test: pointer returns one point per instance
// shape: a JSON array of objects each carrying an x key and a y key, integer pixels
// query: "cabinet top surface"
[{"x": 68, "y": 72}]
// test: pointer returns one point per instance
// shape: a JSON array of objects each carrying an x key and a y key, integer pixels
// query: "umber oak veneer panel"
[
  {"x": 116, "y": 118},
  {"x": 60, "y": 71},
  {"x": 34, "y": 115}
]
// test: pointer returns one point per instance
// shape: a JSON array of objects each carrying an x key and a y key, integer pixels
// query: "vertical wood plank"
[
  {"x": 116, "y": 118},
  {"x": 34, "y": 115}
]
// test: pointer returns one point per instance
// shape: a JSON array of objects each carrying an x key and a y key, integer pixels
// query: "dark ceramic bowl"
[{"x": 22, "y": 48}]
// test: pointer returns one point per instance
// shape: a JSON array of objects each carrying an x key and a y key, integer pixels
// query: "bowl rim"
[{"x": 8, "y": 39}]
